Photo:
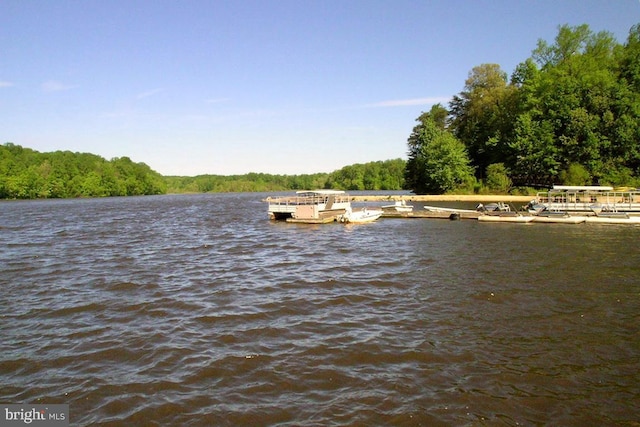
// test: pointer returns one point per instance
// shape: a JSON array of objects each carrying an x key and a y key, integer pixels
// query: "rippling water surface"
[{"x": 197, "y": 310}]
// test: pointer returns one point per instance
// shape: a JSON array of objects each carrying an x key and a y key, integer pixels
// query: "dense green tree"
[
  {"x": 498, "y": 180},
  {"x": 28, "y": 174},
  {"x": 438, "y": 162},
  {"x": 575, "y": 174},
  {"x": 380, "y": 175},
  {"x": 482, "y": 115},
  {"x": 414, "y": 175},
  {"x": 575, "y": 101}
]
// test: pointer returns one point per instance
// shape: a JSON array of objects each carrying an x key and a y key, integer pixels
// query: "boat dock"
[{"x": 326, "y": 206}]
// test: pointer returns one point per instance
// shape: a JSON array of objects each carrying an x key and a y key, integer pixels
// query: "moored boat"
[
  {"x": 588, "y": 198},
  {"x": 309, "y": 206},
  {"x": 360, "y": 215},
  {"x": 501, "y": 212},
  {"x": 440, "y": 209},
  {"x": 494, "y": 207},
  {"x": 400, "y": 206},
  {"x": 506, "y": 217}
]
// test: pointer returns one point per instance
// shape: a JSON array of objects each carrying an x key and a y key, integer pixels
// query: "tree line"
[
  {"x": 29, "y": 174},
  {"x": 379, "y": 175},
  {"x": 569, "y": 114}
]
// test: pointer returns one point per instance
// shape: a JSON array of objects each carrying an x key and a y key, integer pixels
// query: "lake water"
[{"x": 197, "y": 310}]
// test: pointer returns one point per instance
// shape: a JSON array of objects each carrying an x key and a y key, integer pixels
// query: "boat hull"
[
  {"x": 613, "y": 220},
  {"x": 361, "y": 216},
  {"x": 560, "y": 219},
  {"x": 522, "y": 219},
  {"x": 395, "y": 209},
  {"x": 449, "y": 210}
]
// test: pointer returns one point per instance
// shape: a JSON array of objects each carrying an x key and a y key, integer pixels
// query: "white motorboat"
[
  {"x": 501, "y": 212},
  {"x": 506, "y": 217},
  {"x": 448, "y": 210},
  {"x": 494, "y": 208},
  {"x": 400, "y": 206},
  {"x": 360, "y": 215}
]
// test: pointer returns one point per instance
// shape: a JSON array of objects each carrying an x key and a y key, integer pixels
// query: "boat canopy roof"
[
  {"x": 582, "y": 188},
  {"x": 321, "y": 192}
]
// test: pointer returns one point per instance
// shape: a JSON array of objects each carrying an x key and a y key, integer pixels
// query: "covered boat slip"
[{"x": 590, "y": 199}]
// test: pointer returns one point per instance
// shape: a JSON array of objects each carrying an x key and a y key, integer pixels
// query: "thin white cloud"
[
  {"x": 5, "y": 84},
  {"x": 56, "y": 86},
  {"x": 149, "y": 93},
  {"x": 411, "y": 102}
]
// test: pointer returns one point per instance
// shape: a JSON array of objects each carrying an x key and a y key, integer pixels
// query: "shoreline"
[{"x": 444, "y": 198}]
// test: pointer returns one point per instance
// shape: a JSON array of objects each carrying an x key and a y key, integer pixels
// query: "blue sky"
[{"x": 283, "y": 86}]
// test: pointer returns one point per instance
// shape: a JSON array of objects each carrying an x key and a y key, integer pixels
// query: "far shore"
[{"x": 444, "y": 198}]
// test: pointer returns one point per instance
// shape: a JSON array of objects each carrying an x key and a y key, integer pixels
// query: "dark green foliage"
[
  {"x": 498, "y": 179},
  {"x": 28, "y": 174},
  {"x": 438, "y": 162},
  {"x": 575, "y": 174},
  {"x": 252, "y": 182},
  {"x": 569, "y": 114},
  {"x": 381, "y": 175},
  {"x": 482, "y": 115}
]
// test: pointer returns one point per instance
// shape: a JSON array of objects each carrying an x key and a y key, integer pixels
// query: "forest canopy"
[
  {"x": 29, "y": 174},
  {"x": 379, "y": 175},
  {"x": 569, "y": 114}
]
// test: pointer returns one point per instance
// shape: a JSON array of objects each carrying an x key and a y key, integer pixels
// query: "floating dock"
[{"x": 326, "y": 206}]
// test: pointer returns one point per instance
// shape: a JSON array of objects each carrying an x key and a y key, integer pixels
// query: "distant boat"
[
  {"x": 399, "y": 206},
  {"x": 361, "y": 215}
]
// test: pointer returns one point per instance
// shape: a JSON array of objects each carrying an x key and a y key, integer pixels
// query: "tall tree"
[
  {"x": 573, "y": 100},
  {"x": 438, "y": 162},
  {"x": 481, "y": 115}
]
